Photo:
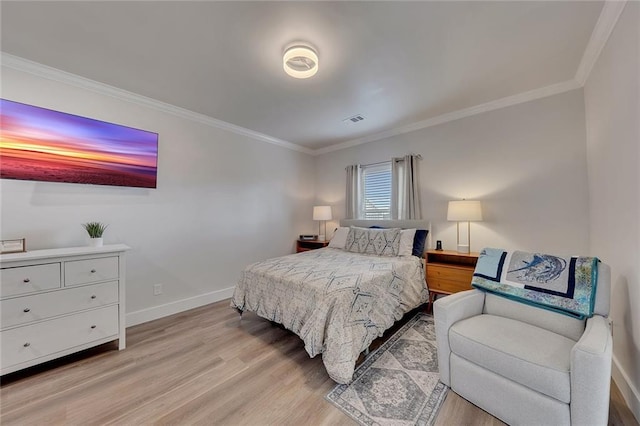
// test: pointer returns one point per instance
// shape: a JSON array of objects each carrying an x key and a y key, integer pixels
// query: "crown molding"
[
  {"x": 35, "y": 68},
  {"x": 601, "y": 31},
  {"x": 603, "y": 28},
  {"x": 519, "y": 98}
]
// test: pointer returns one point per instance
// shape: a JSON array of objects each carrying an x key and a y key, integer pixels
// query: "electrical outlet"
[{"x": 157, "y": 289}]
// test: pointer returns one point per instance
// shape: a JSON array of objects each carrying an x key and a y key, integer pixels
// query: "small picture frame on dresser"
[{"x": 13, "y": 246}]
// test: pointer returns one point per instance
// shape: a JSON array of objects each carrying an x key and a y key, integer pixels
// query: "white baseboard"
[
  {"x": 627, "y": 389},
  {"x": 155, "y": 312}
]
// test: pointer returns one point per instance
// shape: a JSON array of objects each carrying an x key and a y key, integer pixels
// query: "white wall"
[
  {"x": 223, "y": 201},
  {"x": 526, "y": 163},
  {"x": 612, "y": 101}
]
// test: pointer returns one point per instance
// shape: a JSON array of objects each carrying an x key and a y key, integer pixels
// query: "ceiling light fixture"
[{"x": 300, "y": 61}]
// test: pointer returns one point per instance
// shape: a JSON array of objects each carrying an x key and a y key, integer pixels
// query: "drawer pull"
[
  {"x": 93, "y": 326},
  {"x": 26, "y": 310},
  {"x": 93, "y": 271},
  {"x": 93, "y": 296},
  {"x": 26, "y": 345},
  {"x": 26, "y": 280}
]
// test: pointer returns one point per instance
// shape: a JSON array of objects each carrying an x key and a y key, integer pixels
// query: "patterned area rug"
[{"x": 398, "y": 384}]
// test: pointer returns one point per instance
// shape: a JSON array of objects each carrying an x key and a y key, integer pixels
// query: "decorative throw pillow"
[
  {"x": 419, "y": 241},
  {"x": 382, "y": 242},
  {"x": 339, "y": 238}
]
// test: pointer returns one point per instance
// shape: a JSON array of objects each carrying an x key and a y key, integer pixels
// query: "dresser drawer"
[
  {"x": 447, "y": 286},
  {"x": 92, "y": 270},
  {"x": 34, "y": 341},
  {"x": 449, "y": 279},
  {"x": 29, "y": 279},
  {"x": 22, "y": 310}
]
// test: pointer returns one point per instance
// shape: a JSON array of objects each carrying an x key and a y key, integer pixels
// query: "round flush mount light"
[{"x": 300, "y": 61}]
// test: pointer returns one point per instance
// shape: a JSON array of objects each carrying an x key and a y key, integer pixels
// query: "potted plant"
[{"x": 95, "y": 231}]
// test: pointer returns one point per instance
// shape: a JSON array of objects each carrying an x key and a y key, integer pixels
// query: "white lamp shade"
[
  {"x": 464, "y": 211},
  {"x": 322, "y": 213}
]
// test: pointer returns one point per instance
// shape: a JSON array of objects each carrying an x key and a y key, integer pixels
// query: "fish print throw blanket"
[{"x": 562, "y": 284}]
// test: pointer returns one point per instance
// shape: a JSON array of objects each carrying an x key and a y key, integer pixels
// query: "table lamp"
[
  {"x": 322, "y": 214},
  {"x": 464, "y": 211}
]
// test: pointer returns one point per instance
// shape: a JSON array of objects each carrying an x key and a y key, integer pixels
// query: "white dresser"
[{"x": 59, "y": 301}]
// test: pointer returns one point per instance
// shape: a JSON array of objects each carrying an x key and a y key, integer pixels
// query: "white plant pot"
[{"x": 95, "y": 242}]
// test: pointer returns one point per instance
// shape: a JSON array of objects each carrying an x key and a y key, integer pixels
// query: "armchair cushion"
[
  {"x": 552, "y": 321},
  {"x": 531, "y": 356}
]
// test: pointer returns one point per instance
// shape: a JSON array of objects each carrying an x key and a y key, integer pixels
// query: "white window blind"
[{"x": 376, "y": 191}]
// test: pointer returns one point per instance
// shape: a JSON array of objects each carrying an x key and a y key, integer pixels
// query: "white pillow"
[
  {"x": 406, "y": 242},
  {"x": 339, "y": 239}
]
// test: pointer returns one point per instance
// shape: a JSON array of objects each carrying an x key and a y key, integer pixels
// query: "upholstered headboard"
[{"x": 389, "y": 223}]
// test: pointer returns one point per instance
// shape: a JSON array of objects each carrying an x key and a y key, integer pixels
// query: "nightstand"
[
  {"x": 306, "y": 245},
  {"x": 448, "y": 272}
]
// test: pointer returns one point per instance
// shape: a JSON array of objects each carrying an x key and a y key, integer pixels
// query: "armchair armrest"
[
  {"x": 591, "y": 374},
  {"x": 448, "y": 311}
]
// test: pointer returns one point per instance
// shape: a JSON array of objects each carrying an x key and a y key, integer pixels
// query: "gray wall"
[
  {"x": 526, "y": 163},
  {"x": 612, "y": 100},
  {"x": 223, "y": 200}
]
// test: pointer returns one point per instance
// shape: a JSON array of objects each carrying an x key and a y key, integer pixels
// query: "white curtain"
[
  {"x": 405, "y": 192},
  {"x": 353, "y": 192}
]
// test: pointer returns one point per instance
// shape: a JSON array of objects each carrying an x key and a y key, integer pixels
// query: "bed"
[{"x": 336, "y": 300}]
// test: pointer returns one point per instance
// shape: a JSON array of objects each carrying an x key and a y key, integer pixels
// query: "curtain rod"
[{"x": 418, "y": 156}]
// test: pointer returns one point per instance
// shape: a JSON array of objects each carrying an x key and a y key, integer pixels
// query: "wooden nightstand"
[
  {"x": 448, "y": 272},
  {"x": 306, "y": 245}
]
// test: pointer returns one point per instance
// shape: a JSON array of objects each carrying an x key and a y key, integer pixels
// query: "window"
[
  {"x": 376, "y": 191},
  {"x": 380, "y": 191}
]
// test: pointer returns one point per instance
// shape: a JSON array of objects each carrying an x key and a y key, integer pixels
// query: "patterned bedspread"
[{"x": 338, "y": 302}]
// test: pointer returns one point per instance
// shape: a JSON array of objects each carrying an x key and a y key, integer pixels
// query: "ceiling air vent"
[{"x": 354, "y": 119}]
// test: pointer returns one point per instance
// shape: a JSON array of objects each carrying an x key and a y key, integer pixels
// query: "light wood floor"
[{"x": 204, "y": 366}]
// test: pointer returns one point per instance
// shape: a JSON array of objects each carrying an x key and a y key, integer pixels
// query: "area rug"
[{"x": 398, "y": 384}]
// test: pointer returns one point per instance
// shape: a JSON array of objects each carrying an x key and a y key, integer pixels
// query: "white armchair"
[{"x": 526, "y": 365}]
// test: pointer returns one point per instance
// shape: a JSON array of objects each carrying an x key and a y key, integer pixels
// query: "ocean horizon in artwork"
[{"x": 45, "y": 145}]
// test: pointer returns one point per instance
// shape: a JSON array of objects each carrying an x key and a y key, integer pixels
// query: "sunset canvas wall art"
[{"x": 45, "y": 145}]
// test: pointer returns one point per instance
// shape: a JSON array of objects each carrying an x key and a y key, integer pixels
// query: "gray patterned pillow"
[{"x": 383, "y": 242}]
